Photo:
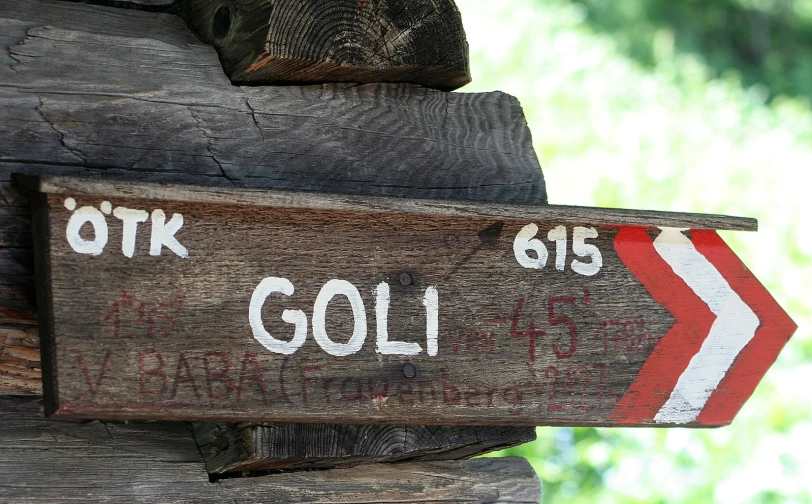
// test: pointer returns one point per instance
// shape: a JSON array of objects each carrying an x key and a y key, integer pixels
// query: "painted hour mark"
[{"x": 554, "y": 318}]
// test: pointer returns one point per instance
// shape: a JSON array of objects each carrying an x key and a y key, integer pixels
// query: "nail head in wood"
[{"x": 409, "y": 370}]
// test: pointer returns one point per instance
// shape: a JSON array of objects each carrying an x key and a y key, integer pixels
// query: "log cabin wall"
[{"x": 134, "y": 95}]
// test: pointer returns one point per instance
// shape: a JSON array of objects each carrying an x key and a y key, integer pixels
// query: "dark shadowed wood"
[
  {"x": 290, "y": 41},
  {"x": 252, "y": 447},
  {"x": 44, "y": 461},
  {"x": 143, "y": 3},
  {"x": 152, "y": 5},
  {"x": 526, "y": 329}
]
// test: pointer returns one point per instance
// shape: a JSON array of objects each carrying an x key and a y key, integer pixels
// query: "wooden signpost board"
[{"x": 189, "y": 303}]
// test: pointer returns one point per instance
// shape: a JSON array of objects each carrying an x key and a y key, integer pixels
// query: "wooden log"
[
  {"x": 290, "y": 41},
  {"x": 251, "y": 447},
  {"x": 44, "y": 461},
  {"x": 167, "y": 113}
]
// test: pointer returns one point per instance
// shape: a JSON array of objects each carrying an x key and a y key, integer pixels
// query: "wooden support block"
[
  {"x": 252, "y": 447},
  {"x": 290, "y": 41},
  {"x": 45, "y": 461}
]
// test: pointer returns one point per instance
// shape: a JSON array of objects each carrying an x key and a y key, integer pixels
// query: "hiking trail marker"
[{"x": 192, "y": 303}]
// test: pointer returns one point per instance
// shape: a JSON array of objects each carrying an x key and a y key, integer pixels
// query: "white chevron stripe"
[{"x": 734, "y": 327}]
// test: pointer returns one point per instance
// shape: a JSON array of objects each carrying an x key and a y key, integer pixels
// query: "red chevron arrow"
[
  {"x": 728, "y": 330},
  {"x": 566, "y": 317}
]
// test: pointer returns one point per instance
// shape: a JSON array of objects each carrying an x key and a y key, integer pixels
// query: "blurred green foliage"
[
  {"x": 668, "y": 105},
  {"x": 769, "y": 42}
]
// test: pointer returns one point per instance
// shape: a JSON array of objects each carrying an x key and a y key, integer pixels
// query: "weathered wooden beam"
[
  {"x": 252, "y": 447},
  {"x": 45, "y": 461},
  {"x": 166, "y": 113},
  {"x": 290, "y": 41}
]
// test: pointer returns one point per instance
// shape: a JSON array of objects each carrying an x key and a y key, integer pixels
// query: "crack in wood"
[{"x": 61, "y": 134}]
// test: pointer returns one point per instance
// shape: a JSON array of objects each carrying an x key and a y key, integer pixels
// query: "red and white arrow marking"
[{"x": 727, "y": 332}]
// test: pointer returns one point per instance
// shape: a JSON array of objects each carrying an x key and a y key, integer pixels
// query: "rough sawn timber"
[
  {"x": 44, "y": 460},
  {"x": 151, "y": 103},
  {"x": 252, "y": 447},
  {"x": 290, "y": 41}
]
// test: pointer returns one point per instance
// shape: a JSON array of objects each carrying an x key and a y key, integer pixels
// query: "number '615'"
[{"x": 526, "y": 241}]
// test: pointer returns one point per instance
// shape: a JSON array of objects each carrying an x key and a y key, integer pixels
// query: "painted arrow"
[
  {"x": 728, "y": 329},
  {"x": 216, "y": 307}
]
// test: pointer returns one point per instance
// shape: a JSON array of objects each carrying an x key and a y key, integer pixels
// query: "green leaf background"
[{"x": 685, "y": 105}]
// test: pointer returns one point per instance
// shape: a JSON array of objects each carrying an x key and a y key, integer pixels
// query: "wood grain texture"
[
  {"x": 376, "y": 204},
  {"x": 289, "y": 41},
  {"x": 257, "y": 447},
  {"x": 43, "y": 461},
  {"x": 251, "y": 447},
  {"x": 73, "y": 144},
  {"x": 159, "y": 335},
  {"x": 152, "y": 103},
  {"x": 148, "y": 5},
  {"x": 20, "y": 371}
]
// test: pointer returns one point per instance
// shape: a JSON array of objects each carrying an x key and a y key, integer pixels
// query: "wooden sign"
[{"x": 190, "y": 303}]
